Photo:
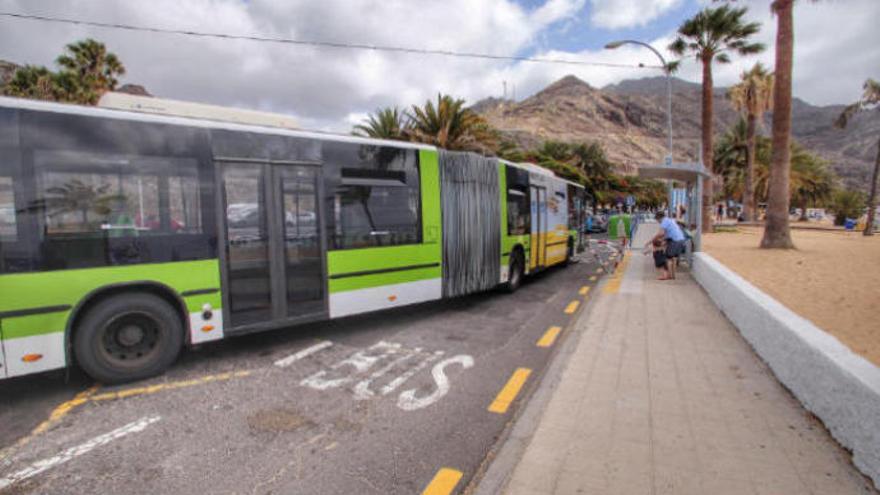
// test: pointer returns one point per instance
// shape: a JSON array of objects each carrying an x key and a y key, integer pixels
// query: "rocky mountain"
[{"x": 629, "y": 120}]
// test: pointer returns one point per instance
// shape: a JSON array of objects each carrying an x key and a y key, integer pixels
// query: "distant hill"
[{"x": 629, "y": 120}]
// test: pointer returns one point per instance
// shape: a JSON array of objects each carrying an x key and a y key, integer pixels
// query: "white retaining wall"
[{"x": 835, "y": 384}]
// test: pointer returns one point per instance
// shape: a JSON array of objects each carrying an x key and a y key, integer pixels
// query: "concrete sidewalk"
[{"x": 662, "y": 395}]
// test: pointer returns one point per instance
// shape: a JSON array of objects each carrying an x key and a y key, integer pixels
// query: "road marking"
[
  {"x": 362, "y": 389},
  {"x": 511, "y": 389},
  {"x": 584, "y": 290},
  {"x": 308, "y": 351},
  {"x": 444, "y": 482},
  {"x": 57, "y": 414},
  {"x": 549, "y": 337},
  {"x": 152, "y": 389},
  {"x": 593, "y": 278},
  {"x": 40, "y": 466},
  {"x": 407, "y": 399},
  {"x": 361, "y": 361},
  {"x": 400, "y": 380},
  {"x": 613, "y": 285},
  {"x": 572, "y": 307}
]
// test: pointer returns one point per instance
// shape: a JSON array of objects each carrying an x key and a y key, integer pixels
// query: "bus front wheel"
[
  {"x": 128, "y": 337},
  {"x": 516, "y": 272}
]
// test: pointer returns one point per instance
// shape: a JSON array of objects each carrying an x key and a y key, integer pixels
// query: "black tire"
[
  {"x": 128, "y": 337},
  {"x": 515, "y": 273},
  {"x": 569, "y": 253}
]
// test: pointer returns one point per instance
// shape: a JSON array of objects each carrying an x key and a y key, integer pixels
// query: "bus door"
[
  {"x": 274, "y": 257},
  {"x": 538, "y": 251}
]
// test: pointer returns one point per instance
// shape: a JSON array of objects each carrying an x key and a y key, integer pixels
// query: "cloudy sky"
[{"x": 837, "y": 46}]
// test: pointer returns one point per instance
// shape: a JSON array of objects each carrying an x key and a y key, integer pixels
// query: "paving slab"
[{"x": 662, "y": 395}]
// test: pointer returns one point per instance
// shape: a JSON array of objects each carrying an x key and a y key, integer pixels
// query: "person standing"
[{"x": 675, "y": 242}]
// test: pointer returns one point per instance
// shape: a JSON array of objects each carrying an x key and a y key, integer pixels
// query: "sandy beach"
[{"x": 832, "y": 279}]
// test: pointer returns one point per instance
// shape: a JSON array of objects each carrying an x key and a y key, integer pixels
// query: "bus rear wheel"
[
  {"x": 128, "y": 337},
  {"x": 515, "y": 273}
]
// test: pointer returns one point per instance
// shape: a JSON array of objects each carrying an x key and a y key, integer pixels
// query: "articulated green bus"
[{"x": 125, "y": 236}]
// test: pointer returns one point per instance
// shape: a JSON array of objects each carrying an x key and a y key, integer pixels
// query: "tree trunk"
[
  {"x": 776, "y": 231},
  {"x": 707, "y": 144},
  {"x": 872, "y": 196},
  {"x": 749, "y": 192}
]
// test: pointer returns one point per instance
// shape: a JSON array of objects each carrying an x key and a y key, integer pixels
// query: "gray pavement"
[
  {"x": 370, "y": 404},
  {"x": 660, "y": 394}
]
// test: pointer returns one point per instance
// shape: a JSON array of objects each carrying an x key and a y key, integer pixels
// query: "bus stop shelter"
[{"x": 692, "y": 176}]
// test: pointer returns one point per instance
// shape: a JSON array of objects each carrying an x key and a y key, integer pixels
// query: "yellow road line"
[
  {"x": 572, "y": 307},
  {"x": 152, "y": 389},
  {"x": 89, "y": 394},
  {"x": 584, "y": 290},
  {"x": 444, "y": 482},
  {"x": 613, "y": 285},
  {"x": 511, "y": 389},
  {"x": 57, "y": 414},
  {"x": 549, "y": 337}
]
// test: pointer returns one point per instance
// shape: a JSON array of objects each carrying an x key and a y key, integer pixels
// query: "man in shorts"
[{"x": 675, "y": 240}]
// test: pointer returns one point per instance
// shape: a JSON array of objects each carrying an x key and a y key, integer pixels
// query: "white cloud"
[
  {"x": 836, "y": 48},
  {"x": 331, "y": 88},
  {"x": 616, "y": 14}
]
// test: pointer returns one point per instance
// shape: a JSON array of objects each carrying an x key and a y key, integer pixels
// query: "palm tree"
[
  {"x": 87, "y": 71},
  {"x": 93, "y": 67},
  {"x": 870, "y": 99},
  {"x": 730, "y": 159},
  {"x": 776, "y": 230},
  {"x": 32, "y": 81},
  {"x": 711, "y": 36},
  {"x": 811, "y": 181},
  {"x": 451, "y": 126},
  {"x": 752, "y": 96},
  {"x": 384, "y": 123}
]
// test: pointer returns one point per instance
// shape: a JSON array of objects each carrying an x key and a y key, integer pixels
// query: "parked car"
[{"x": 598, "y": 225}]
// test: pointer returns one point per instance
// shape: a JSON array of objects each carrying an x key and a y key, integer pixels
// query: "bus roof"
[
  {"x": 67, "y": 108},
  {"x": 158, "y": 115},
  {"x": 531, "y": 167},
  {"x": 178, "y": 108}
]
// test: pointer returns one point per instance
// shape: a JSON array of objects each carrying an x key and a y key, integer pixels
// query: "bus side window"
[
  {"x": 378, "y": 200},
  {"x": 518, "y": 206},
  {"x": 84, "y": 194}
]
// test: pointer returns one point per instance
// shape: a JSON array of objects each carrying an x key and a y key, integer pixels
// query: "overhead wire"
[{"x": 321, "y": 43}]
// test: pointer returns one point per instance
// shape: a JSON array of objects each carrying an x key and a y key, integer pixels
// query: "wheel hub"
[
  {"x": 130, "y": 335},
  {"x": 130, "y": 338}
]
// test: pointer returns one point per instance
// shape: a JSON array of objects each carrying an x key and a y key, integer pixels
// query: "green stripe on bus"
[{"x": 67, "y": 287}]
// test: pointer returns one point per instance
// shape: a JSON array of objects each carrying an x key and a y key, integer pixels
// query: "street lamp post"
[{"x": 616, "y": 44}]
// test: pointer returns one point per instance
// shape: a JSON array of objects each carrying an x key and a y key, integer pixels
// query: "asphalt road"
[{"x": 372, "y": 404}]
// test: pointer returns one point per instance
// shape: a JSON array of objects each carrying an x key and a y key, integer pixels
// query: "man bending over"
[{"x": 675, "y": 240}]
